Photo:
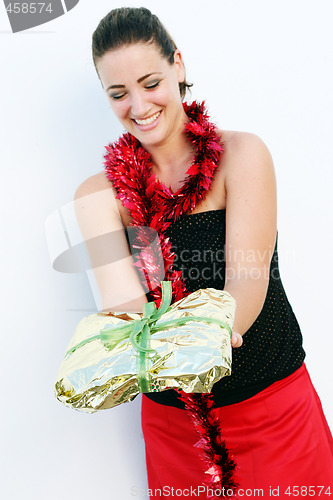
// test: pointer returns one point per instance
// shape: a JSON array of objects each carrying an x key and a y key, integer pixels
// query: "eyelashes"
[
  {"x": 152, "y": 86},
  {"x": 116, "y": 97}
]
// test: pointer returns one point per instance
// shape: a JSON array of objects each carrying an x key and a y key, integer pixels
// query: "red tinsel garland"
[
  {"x": 214, "y": 451},
  {"x": 150, "y": 203}
]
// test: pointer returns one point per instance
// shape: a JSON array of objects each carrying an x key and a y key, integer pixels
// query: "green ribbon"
[{"x": 140, "y": 331}]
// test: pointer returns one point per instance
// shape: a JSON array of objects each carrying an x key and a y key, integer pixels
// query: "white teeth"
[{"x": 149, "y": 120}]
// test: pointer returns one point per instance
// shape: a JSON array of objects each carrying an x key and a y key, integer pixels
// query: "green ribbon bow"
[{"x": 140, "y": 331}]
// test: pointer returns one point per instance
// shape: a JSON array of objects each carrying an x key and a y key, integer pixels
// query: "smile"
[{"x": 149, "y": 120}]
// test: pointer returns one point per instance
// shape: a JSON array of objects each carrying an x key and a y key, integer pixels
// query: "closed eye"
[
  {"x": 117, "y": 96},
  {"x": 153, "y": 85}
]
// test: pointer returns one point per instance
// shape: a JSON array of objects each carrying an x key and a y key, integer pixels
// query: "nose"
[{"x": 139, "y": 105}]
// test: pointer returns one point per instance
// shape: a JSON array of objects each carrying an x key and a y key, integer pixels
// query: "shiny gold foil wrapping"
[{"x": 191, "y": 357}]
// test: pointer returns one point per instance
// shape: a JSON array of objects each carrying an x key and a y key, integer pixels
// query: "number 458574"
[
  {"x": 31, "y": 8},
  {"x": 311, "y": 491}
]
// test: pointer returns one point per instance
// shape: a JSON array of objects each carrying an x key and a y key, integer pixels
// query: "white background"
[{"x": 261, "y": 66}]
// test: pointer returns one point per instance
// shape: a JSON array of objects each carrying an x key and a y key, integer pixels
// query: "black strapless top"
[{"x": 272, "y": 346}]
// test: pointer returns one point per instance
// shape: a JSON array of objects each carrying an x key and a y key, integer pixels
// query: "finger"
[{"x": 236, "y": 339}]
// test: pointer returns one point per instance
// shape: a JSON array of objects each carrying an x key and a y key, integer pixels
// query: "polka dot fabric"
[{"x": 272, "y": 346}]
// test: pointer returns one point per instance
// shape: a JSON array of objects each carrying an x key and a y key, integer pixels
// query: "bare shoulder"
[
  {"x": 98, "y": 194},
  {"x": 245, "y": 152},
  {"x": 94, "y": 183},
  {"x": 248, "y": 169},
  {"x": 246, "y": 158},
  {"x": 95, "y": 195}
]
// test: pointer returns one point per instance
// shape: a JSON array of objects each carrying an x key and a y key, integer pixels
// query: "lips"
[{"x": 149, "y": 120}]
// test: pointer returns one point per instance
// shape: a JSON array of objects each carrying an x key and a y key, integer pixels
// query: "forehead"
[{"x": 130, "y": 61}]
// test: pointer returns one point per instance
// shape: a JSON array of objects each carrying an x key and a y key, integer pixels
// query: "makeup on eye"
[
  {"x": 149, "y": 86},
  {"x": 116, "y": 96},
  {"x": 153, "y": 85},
  {"x": 139, "y": 80}
]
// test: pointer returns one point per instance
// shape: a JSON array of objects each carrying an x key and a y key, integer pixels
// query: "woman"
[{"x": 206, "y": 190}]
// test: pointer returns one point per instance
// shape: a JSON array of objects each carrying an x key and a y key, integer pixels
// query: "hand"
[{"x": 236, "y": 339}]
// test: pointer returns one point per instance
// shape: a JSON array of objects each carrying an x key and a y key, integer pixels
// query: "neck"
[{"x": 176, "y": 152}]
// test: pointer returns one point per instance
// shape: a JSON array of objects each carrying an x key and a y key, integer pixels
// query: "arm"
[
  {"x": 250, "y": 227},
  {"x": 102, "y": 229}
]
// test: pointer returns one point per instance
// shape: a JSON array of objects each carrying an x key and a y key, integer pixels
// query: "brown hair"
[{"x": 128, "y": 25}]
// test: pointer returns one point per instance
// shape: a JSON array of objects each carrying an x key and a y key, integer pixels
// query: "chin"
[{"x": 153, "y": 138}]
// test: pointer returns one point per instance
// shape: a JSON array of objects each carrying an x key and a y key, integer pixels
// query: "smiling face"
[{"x": 143, "y": 91}]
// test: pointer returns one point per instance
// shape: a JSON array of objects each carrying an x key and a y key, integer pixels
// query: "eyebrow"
[{"x": 139, "y": 81}]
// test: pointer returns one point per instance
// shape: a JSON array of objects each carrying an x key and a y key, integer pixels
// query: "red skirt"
[{"x": 279, "y": 438}]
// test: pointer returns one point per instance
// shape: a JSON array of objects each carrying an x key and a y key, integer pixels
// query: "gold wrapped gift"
[{"x": 114, "y": 356}]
